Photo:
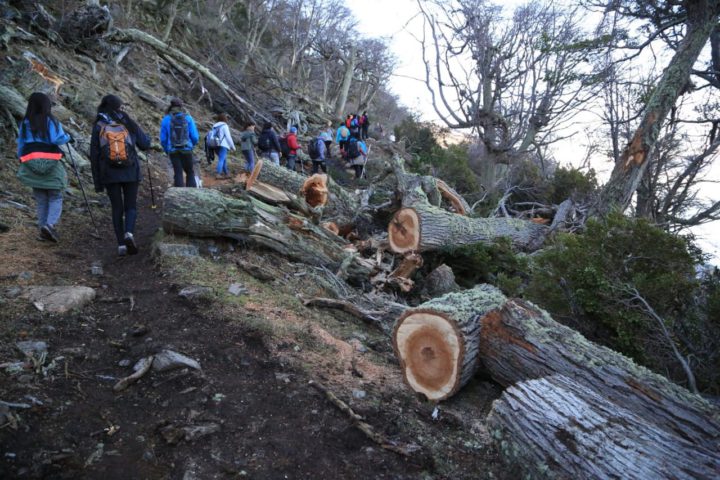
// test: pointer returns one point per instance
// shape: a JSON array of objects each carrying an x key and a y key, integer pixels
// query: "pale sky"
[{"x": 397, "y": 21}]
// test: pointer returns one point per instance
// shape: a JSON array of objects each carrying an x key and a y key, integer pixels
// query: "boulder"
[{"x": 59, "y": 299}]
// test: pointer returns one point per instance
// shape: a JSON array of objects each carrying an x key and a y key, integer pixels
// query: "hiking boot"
[
  {"x": 49, "y": 233},
  {"x": 122, "y": 250},
  {"x": 132, "y": 248}
]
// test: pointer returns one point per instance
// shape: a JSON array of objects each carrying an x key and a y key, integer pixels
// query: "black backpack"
[
  {"x": 351, "y": 148},
  {"x": 265, "y": 142},
  {"x": 179, "y": 130},
  {"x": 284, "y": 147},
  {"x": 314, "y": 148},
  {"x": 354, "y": 130}
]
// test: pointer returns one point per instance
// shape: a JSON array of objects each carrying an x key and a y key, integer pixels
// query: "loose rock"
[
  {"x": 237, "y": 289},
  {"x": 195, "y": 292},
  {"x": 60, "y": 299},
  {"x": 359, "y": 394},
  {"x": 32, "y": 347},
  {"x": 169, "y": 360},
  {"x": 176, "y": 250}
]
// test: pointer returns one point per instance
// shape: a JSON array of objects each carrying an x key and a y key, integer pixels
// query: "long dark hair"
[
  {"x": 38, "y": 113},
  {"x": 110, "y": 104}
]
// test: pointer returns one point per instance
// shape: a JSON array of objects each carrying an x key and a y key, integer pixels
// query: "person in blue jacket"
[
  {"x": 178, "y": 137},
  {"x": 39, "y": 138},
  {"x": 120, "y": 181}
]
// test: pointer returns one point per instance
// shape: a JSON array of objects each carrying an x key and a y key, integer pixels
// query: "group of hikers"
[{"x": 115, "y": 165}]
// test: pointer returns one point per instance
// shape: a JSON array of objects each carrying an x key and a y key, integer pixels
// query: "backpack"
[
  {"x": 314, "y": 148},
  {"x": 354, "y": 130},
  {"x": 265, "y": 142},
  {"x": 351, "y": 148},
  {"x": 213, "y": 139},
  {"x": 116, "y": 144},
  {"x": 284, "y": 147},
  {"x": 179, "y": 130}
]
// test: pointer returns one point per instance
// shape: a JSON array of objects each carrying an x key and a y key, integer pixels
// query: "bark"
[
  {"x": 209, "y": 213},
  {"x": 629, "y": 171},
  {"x": 555, "y": 427},
  {"x": 426, "y": 228},
  {"x": 519, "y": 342},
  {"x": 437, "y": 343},
  {"x": 170, "y": 20},
  {"x": 439, "y": 282},
  {"x": 350, "y": 62},
  {"x": 459, "y": 204}
]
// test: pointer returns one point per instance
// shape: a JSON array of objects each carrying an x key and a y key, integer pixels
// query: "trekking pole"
[
  {"x": 82, "y": 189},
  {"x": 367, "y": 156},
  {"x": 152, "y": 190}
]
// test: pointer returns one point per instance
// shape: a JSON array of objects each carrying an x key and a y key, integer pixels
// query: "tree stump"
[{"x": 437, "y": 342}]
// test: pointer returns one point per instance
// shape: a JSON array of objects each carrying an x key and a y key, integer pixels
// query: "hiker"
[
  {"x": 38, "y": 148},
  {"x": 317, "y": 153},
  {"x": 356, "y": 152},
  {"x": 327, "y": 136},
  {"x": 221, "y": 140},
  {"x": 178, "y": 136},
  {"x": 269, "y": 144},
  {"x": 341, "y": 138},
  {"x": 248, "y": 140},
  {"x": 116, "y": 166},
  {"x": 293, "y": 147},
  {"x": 354, "y": 127},
  {"x": 364, "y": 125}
]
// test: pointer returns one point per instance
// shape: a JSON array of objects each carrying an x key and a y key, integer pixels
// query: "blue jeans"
[
  {"x": 249, "y": 160},
  {"x": 49, "y": 206},
  {"x": 273, "y": 156},
  {"x": 291, "y": 162},
  {"x": 222, "y": 161}
]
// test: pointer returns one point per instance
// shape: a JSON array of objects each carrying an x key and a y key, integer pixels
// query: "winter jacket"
[
  {"x": 321, "y": 150},
  {"x": 248, "y": 140},
  {"x": 223, "y": 133},
  {"x": 193, "y": 135},
  {"x": 364, "y": 121},
  {"x": 327, "y": 135},
  {"x": 274, "y": 140},
  {"x": 342, "y": 134},
  {"x": 362, "y": 158},
  {"x": 40, "y": 165},
  {"x": 103, "y": 173},
  {"x": 293, "y": 143}
]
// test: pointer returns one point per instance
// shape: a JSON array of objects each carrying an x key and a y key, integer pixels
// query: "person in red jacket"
[{"x": 294, "y": 147}]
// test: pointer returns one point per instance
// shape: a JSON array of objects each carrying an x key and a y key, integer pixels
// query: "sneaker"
[
  {"x": 49, "y": 233},
  {"x": 130, "y": 244},
  {"x": 122, "y": 250}
]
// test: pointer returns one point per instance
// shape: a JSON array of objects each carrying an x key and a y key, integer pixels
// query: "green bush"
[{"x": 572, "y": 183}]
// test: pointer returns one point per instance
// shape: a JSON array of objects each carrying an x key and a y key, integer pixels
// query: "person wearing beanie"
[
  {"x": 294, "y": 146},
  {"x": 178, "y": 137}
]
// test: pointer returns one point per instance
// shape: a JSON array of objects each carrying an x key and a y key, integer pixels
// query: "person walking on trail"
[
  {"x": 116, "y": 167},
  {"x": 178, "y": 136},
  {"x": 220, "y": 136},
  {"x": 269, "y": 144},
  {"x": 354, "y": 127},
  {"x": 294, "y": 146},
  {"x": 317, "y": 153},
  {"x": 341, "y": 138},
  {"x": 357, "y": 155},
  {"x": 38, "y": 149},
  {"x": 248, "y": 140},
  {"x": 327, "y": 138},
  {"x": 364, "y": 125}
]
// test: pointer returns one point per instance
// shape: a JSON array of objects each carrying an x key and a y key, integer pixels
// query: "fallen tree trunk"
[
  {"x": 556, "y": 427},
  {"x": 424, "y": 228},
  {"x": 209, "y": 213},
  {"x": 437, "y": 342}
]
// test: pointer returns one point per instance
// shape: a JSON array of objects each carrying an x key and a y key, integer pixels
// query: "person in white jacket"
[{"x": 222, "y": 131}]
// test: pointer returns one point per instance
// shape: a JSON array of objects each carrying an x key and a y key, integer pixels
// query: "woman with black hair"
[
  {"x": 116, "y": 166},
  {"x": 39, "y": 137}
]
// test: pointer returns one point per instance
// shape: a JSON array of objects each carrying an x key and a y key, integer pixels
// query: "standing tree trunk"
[
  {"x": 629, "y": 171},
  {"x": 170, "y": 20},
  {"x": 347, "y": 81}
]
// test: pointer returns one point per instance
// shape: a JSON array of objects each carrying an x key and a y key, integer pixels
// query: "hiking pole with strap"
[
  {"x": 152, "y": 190},
  {"x": 82, "y": 189}
]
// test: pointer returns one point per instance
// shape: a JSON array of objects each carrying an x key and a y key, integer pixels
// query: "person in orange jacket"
[{"x": 294, "y": 147}]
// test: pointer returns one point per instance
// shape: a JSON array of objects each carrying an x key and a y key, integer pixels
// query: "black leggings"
[
  {"x": 182, "y": 162},
  {"x": 123, "y": 199},
  {"x": 358, "y": 170}
]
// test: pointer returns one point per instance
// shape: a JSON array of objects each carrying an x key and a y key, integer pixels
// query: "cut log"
[
  {"x": 250, "y": 181},
  {"x": 331, "y": 227},
  {"x": 208, "y": 213},
  {"x": 520, "y": 342},
  {"x": 269, "y": 194},
  {"x": 437, "y": 342},
  {"x": 458, "y": 203},
  {"x": 315, "y": 190},
  {"x": 555, "y": 427},
  {"x": 423, "y": 228}
]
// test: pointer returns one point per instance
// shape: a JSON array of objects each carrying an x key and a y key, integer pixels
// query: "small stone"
[
  {"x": 32, "y": 347},
  {"x": 360, "y": 336},
  {"x": 25, "y": 276},
  {"x": 237, "y": 289},
  {"x": 138, "y": 330},
  {"x": 359, "y": 394},
  {"x": 169, "y": 360},
  {"x": 13, "y": 292},
  {"x": 96, "y": 268},
  {"x": 176, "y": 250},
  {"x": 125, "y": 362},
  {"x": 195, "y": 292},
  {"x": 60, "y": 299},
  {"x": 197, "y": 431}
]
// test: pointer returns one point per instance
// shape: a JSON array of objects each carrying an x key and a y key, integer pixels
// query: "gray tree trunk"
[{"x": 346, "y": 83}]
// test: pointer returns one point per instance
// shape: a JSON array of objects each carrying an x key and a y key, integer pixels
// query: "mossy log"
[
  {"x": 423, "y": 228},
  {"x": 209, "y": 213},
  {"x": 556, "y": 427},
  {"x": 437, "y": 343}
]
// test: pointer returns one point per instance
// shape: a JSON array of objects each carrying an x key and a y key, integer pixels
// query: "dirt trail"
[{"x": 270, "y": 423}]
